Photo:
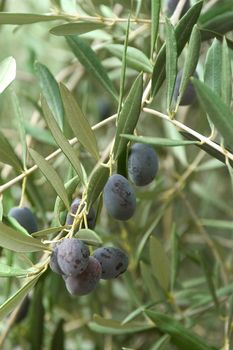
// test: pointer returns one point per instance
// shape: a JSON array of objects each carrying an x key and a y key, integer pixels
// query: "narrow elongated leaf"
[
  {"x": 7, "y": 72},
  {"x": 97, "y": 181},
  {"x": 70, "y": 187},
  {"x": 174, "y": 257},
  {"x": 61, "y": 140},
  {"x": 26, "y": 18},
  {"x": 18, "y": 114},
  {"x": 137, "y": 312},
  {"x": 157, "y": 141},
  {"x": 182, "y": 31},
  {"x": 102, "y": 325},
  {"x": 16, "y": 298},
  {"x": 37, "y": 313},
  {"x": 89, "y": 237},
  {"x": 51, "y": 92},
  {"x": 190, "y": 61},
  {"x": 160, "y": 264},
  {"x": 78, "y": 122},
  {"x": 149, "y": 282},
  {"x": 182, "y": 337},
  {"x": 220, "y": 24},
  {"x": 19, "y": 242},
  {"x": 135, "y": 58},
  {"x": 179, "y": 152},
  {"x": 223, "y": 224},
  {"x": 7, "y": 154},
  {"x": 39, "y": 134},
  {"x": 155, "y": 11},
  {"x": 48, "y": 231},
  {"x": 129, "y": 115},
  {"x": 213, "y": 67},
  {"x": 14, "y": 271},
  {"x": 217, "y": 110},
  {"x": 171, "y": 60},
  {"x": 51, "y": 175},
  {"x": 226, "y": 76},
  {"x": 76, "y": 28},
  {"x": 91, "y": 62},
  {"x": 162, "y": 343},
  {"x": 58, "y": 340}
]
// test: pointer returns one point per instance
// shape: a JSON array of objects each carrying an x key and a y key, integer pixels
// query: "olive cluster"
[
  {"x": 82, "y": 272},
  {"x": 118, "y": 195}
]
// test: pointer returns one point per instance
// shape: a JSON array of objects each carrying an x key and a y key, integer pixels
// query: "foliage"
[{"x": 64, "y": 64}]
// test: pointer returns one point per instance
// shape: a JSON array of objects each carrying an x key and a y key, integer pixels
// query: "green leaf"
[
  {"x": 182, "y": 31},
  {"x": 76, "y": 28},
  {"x": 61, "y": 140},
  {"x": 58, "y": 339},
  {"x": 39, "y": 134},
  {"x": 160, "y": 264},
  {"x": 51, "y": 175},
  {"x": 18, "y": 114},
  {"x": 7, "y": 72},
  {"x": 182, "y": 337},
  {"x": 26, "y": 18},
  {"x": 135, "y": 58},
  {"x": 89, "y": 237},
  {"x": 78, "y": 122},
  {"x": 213, "y": 67},
  {"x": 173, "y": 134},
  {"x": 48, "y": 231},
  {"x": 149, "y": 282},
  {"x": 37, "y": 314},
  {"x": 220, "y": 24},
  {"x": 96, "y": 183},
  {"x": 14, "y": 271},
  {"x": 162, "y": 343},
  {"x": 7, "y": 154},
  {"x": 155, "y": 11},
  {"x": 19, "y": 242},
  {"x": 137, "y": 312},
  {"x": 102, "y": 325},
  {"x": 226, "y": 76},
  {"x": 223, "y": 224},
  {"x": 129, "y": 115},
  {"x": 171, "y": 61},
  {"x": 91, "y": 62},
  {"x": 51, "y": 92},
  {"x": 190, "y": 61},
  {"x": 157, "y": 141},
  {"x": 174, "y": 257},
  {"x": 217, "y": 110},
  {"x": 16, "y": 298},
  {"x": 70, "y": 187}
]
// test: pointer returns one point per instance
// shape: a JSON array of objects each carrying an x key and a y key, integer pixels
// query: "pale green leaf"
[
  {"x": 78, "y": 122},
  {"x": 155, "y": 12},
  {"x": 26, "y": 18},
  {"x": 7, "y": 154},
  {"x": 89, "y": 237},
  {"x": 7, "y": 71},
  {"x": 14, "y": 271},
  {"x": 157, "y": 141},
  {"x": 76, "y": 28},
  {"x": 226, "y": 77},
  {"x": 213, "y": 67}
]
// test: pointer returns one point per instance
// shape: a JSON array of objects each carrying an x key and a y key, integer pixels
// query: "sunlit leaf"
[{"x": 7, "y": 71}]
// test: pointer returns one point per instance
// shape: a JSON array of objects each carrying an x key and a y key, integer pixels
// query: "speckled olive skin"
[
  {"x": 143, "y": 164},
  {"x": 91, "y": 217},
  {"x": 72, "y": 256},
  {"x": 171, "y": 6},
  {"x": 113, "y": 261},
  {"x": 119, "y": 198},
  {"x": 53, "y": 261},
  {"x": 86, "y": 282},
  {"x": 189, "y": 95},
  {"x": 25, "y": 218}
]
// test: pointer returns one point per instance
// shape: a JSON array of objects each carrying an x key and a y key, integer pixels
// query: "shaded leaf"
[
  {"x": 37, "y": 313},
  {"x": 70, "y": 187},
  {"x": 96, "y": 183},
  {"x": 7, "y": 154},
  {"x": 61, "y": 140},
  {"x": 213, "y": 67},
  {"x": 220, "y": 24},
  {"x": 217, "y": 110},
  {"x": 76, "y": 28},
  {"x": 157, "y": 141},
  {"x": 78, "y": 122},
  {"x": 129, "y": 115},
  {"x": 102, "y": 325},
  {"x": 91, "y": 62},
  {"x": 183, "y": 30},
  {"x": 149, "y": 282},
  {"x": 19, "y": 242},
  {"x": 174, "y": 257},
  {"x": 7, "y": 71},
  {"x": 51, "y": 92},
  {"x": 51, "y": 175},
  {"x": 162, "y": 343},
  {"x": 58, "y": 339},
  {"x": 135, "y": 58},
  {"x": 160, "y": 265}
]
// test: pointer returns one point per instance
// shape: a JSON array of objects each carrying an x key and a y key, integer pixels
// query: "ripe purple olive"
[
  {"x": 119, "y": 198},
  {"x": 113, "y": 261},
  {"x": 25, "y": 218},
  {"x": 72, "y": 256},
  {"x": 91, "y": 217},
  {"x": 87, "y": 281}
]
